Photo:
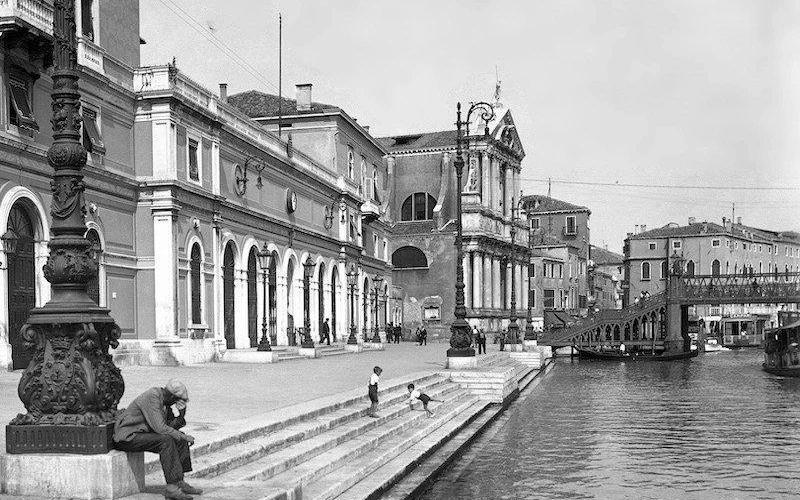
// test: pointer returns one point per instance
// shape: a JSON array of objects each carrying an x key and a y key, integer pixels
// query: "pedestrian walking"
[
  {"x": 423, "y": 335},
  {"x": 326, "y": 332},
  {"x": 418, "y": 336},
  {"x": 372, "y": 391},
  {"x": 502, "y": 340},
  {"x": 150, "y": 424},
  {"x": 415, "y": 395},
  {"x": 398, "y": 332},
  {"x": 481, "y": 341}
]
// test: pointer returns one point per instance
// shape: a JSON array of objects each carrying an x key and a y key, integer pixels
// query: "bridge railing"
[{"x": 756, "y": 286}]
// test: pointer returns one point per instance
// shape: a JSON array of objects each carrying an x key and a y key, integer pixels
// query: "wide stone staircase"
[{"x": 335, "y": 450}]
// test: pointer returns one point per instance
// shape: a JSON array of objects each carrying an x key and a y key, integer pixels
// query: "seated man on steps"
[{"x": 149, "y": 424}]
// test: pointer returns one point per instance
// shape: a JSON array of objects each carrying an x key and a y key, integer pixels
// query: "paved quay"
[{"x": 223, "y": 393}]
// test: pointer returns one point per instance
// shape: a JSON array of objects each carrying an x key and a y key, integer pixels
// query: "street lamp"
[
  {"x": 530, "y": 334},
  {"x": 513, "y": 328},
  {"x": 377, "y": 280},
  {"x": 460, "y": 332},
  {"x": 308, "y": 271},
  {"x": 71, "y": 387},
  {"x": 265, "y": 261},
  {"x": 352, "y": 280}
]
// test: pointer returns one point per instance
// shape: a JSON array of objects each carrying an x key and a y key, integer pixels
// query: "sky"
[{"x": 699, "y": 94}]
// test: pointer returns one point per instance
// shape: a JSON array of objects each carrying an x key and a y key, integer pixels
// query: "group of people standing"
[{"x": 480, "y": 339}]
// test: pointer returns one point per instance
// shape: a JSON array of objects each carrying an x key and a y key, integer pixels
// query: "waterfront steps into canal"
[{"x": 330, "y": 448}]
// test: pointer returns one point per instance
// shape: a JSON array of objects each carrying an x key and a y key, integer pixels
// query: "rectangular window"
[
  {"x": 432, "y": 313},
  {"x": 353, "y": 228},
  {"x": 351, "y": 163},
  {"x": 375, "y": 184},
  {"x": 561, "y": 270},
  {"x": 533, "y": 297},
  {"x": 572, "y": 226},
  {"x": 194, "y": 166},
  {"x": 651, "y": 245},
  {"x": 419, "y": 206},
  {"x": 676, "y": 245},
  {"x": 535, "y": 223},
  {"x": 87, "y": 19},
  {"x": 92, "y": 140},
  {"x": 20, "y": 109},
  {"x": 375, "y": 245},
  {"x": 549, "y": 299},
  {"x": 715, "y": 243},
  {"x": 582, "y": 301},
  {"x": 533, "y": 270},
  {"x": 744, "y": 246}
]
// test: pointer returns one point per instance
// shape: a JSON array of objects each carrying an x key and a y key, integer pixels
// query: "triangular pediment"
[{"x": 505, "y": 131}]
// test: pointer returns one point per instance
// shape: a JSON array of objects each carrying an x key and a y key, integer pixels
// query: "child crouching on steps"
[
  {"x": 372, "y": 391},
  {"x": 417, "y": 395}
]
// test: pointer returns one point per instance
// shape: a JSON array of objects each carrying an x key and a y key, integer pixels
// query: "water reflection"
[{"x": 712, "y": 427}]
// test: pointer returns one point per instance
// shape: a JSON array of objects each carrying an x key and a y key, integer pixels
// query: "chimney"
[
  {"x": 644, "y": 228},
  {"x": 223, "y": 91},
  {"x": 692, "y": 220},
  {"x": 636, "y": 229},
  {"x": 739, "y": 221},
  {"x": 366, "y": 128},
  {"x": 303, "y": 96}
]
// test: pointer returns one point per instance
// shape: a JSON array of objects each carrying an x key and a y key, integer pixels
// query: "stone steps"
[
  {"x": 367, "y": 474},
  {"x": 314, "y": 458},
  {"x": 223, "y": 460},
  {"x": 353, "y": 401}
]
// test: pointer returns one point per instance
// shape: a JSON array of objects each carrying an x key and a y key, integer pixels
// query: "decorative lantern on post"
[
  {"x": 265, "y": 262},
  {"x": 377, "y": 281},
  {"x": 71, "y": 387},
  {"x": 308, "y": 271},
  {"x": 352, "y": 280}
]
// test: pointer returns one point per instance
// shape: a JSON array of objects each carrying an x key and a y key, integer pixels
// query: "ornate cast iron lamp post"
[
  {"x": 352, "y": 279},
  {"x": 530, "y": 334},
  {"x": 308, "y": 270},
  {"x": 513, "y": 327},
  {"x": 265, "y": 261},
  {"x": 376, "y": 291},
  {"x": 460, "y": 332},
  {"x": 71, "y": 386}
]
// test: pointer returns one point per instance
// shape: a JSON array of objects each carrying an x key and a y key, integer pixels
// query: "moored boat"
[
  {"x": 635, "y": 356},
  {"x": 781, "y": 349}
]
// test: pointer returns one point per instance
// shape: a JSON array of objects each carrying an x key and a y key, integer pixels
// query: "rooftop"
[
  {"x": 603, "y": 257},
  {"x": 541, "y": 204},
  {"x": 425, "y": 140},
  {"x": 673, "y": 230},
  {"x": 256, "y": 104}
]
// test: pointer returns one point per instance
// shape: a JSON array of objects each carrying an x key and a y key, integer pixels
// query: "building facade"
[
  {"x": 423, "y": 207},
  {"x": 183, "y": 191},
  {"x": 559, "y": 255},
  {"x": 605, "y": 278},
  {"x": 708, "y": 249}
]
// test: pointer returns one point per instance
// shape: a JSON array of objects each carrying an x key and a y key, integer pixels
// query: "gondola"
[{"x": 627, "y": 356}]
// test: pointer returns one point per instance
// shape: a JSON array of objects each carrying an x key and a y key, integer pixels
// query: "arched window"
[
  {"x": 409, "y": 258},
  {"x": 645, "y": 270},
  {"x": 715, "y": 268},
  {"x": 690, "y": 268},
  {"x": 418, "y": 206},
  {"x": 195, "y": 282},
  {"x": 664, "y": 270}
]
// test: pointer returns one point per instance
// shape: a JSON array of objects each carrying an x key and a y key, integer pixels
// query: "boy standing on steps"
[
  {"x": 417, "y": 395},
  {"x": 372, "y": 391}
]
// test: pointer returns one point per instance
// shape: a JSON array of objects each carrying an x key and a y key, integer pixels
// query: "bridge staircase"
[{"x": 605, "y": 322}]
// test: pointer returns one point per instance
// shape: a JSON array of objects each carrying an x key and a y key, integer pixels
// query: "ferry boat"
[
  {"x": 781, "y": 349},
  {"x": 743, "y": 331}
]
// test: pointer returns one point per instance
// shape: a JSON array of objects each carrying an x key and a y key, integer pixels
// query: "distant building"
[
  {"x": 560, "y": 255},
  {"x": 708, "y": 249},
  {"x": 605, "y": 278},
  {"x": 423, "y": 205}
]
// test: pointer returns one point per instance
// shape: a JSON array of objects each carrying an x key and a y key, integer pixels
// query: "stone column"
[
  {"x": 496, "y": 283},
  {"x": 241, "y": 335},
  {"x": 488, "y": 283},
  {"x": 477, "y": 279},
  {"x": 508, "y": 174},
  {"x": 165, "y": 266}
]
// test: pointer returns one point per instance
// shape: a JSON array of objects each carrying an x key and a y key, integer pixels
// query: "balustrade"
[{"x": 37, "y": 13}]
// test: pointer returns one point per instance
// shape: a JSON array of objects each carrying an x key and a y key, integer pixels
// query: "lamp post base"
[
  {"x": 264, "y": 345},
  {"x": 461, "y": 362}
]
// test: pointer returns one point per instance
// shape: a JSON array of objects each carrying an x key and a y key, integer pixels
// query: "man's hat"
[{"x": 178, "y": 389}]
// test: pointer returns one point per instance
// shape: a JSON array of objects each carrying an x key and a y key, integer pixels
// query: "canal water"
[{"x": 716, "y": 426}]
